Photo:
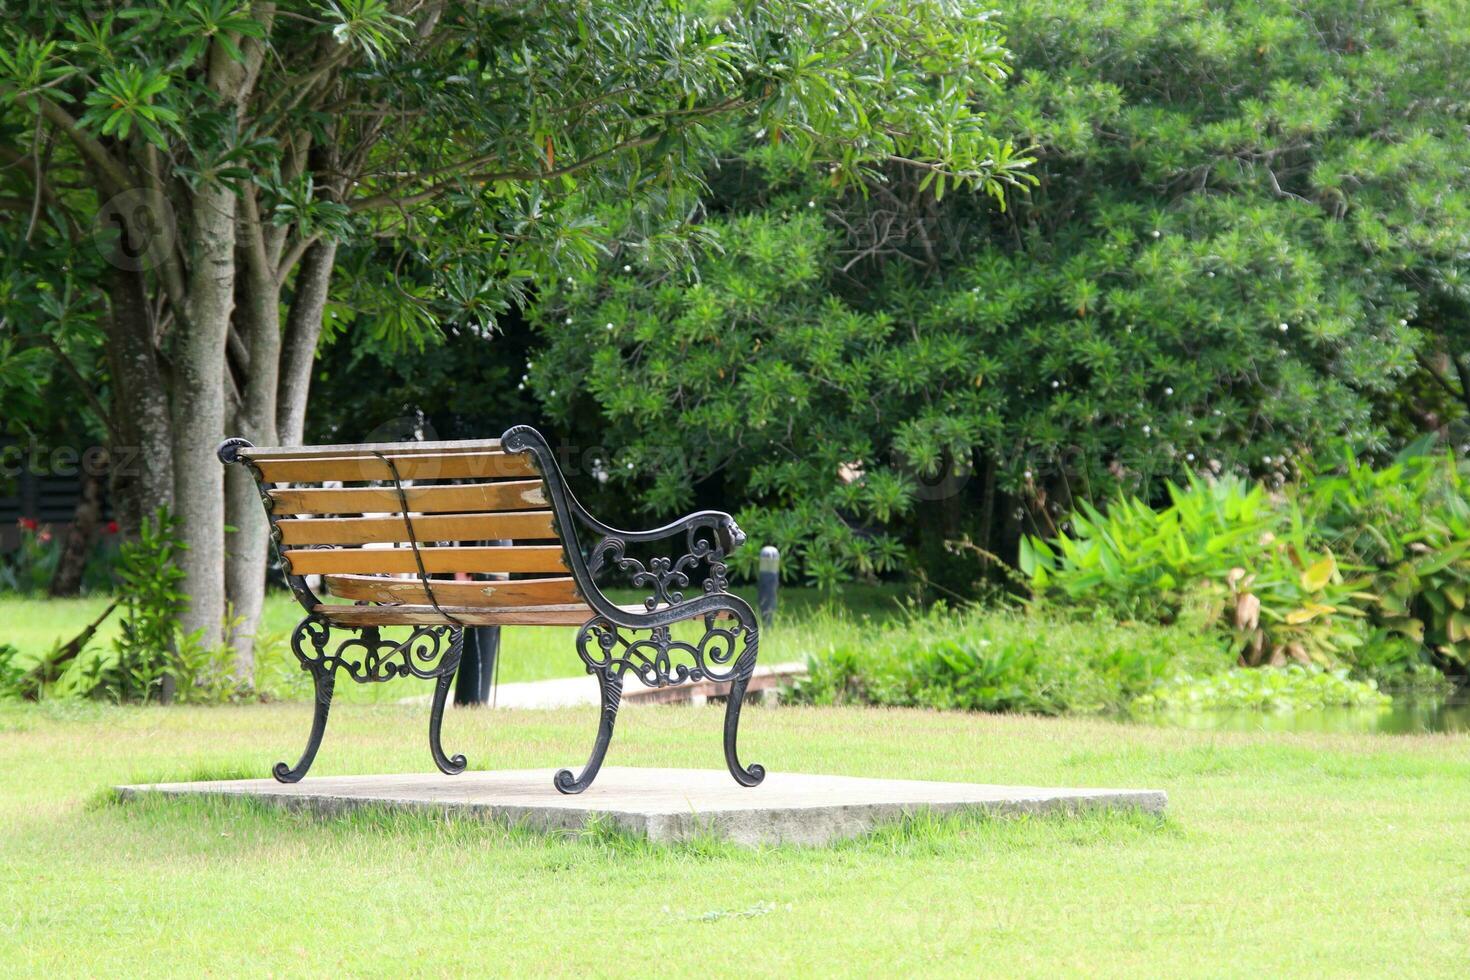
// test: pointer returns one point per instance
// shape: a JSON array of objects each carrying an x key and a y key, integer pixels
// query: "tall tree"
[{"x": 223, "y": 153}]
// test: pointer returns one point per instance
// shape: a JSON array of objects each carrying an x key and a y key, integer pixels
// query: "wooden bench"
[{"x": 399, "y": 529}]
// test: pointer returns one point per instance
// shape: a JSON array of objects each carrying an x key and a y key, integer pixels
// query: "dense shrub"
[
  {"x": 1005, "y": 662},
  {"x": 1407, "y": 526},
  {"x": 1362, "y": 565}
]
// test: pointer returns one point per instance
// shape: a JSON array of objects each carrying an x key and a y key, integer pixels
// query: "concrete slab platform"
[{"x": 671, "y": 804}]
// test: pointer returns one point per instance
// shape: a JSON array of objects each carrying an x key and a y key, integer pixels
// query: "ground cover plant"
[
  {"x": 979, "y": 661},
  {"x": 1246, "y": 874}
]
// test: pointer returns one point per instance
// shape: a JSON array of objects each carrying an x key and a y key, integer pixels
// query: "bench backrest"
[{"x": 336, "y": 512}]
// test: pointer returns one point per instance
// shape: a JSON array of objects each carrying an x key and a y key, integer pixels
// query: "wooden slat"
[
  {"x": 566, "y": 614},
  {"x": 377, "y": 561},
  {"x": 368, "y": 448},
  {"x": 465, "y": 497},
  {"x": 525, "y": 592},
  {"x": 419, "y": 466},
  {"x": 563, "y": 614},
  {"x": 529, "y": 525}
]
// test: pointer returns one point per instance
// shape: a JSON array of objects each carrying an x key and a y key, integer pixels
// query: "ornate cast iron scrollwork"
[{"x": 429, "y": 652}]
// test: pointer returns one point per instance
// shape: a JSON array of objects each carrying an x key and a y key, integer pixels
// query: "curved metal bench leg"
[
  {"x": 612, "y": 697},
  {"x": 324, "y": 681},
  {"x": 449, "y": 765},
  {"x": 744, "y": 669}
]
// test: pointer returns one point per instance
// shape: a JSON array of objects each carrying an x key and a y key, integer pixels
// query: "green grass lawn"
[{"x": 1337, "y": 854}]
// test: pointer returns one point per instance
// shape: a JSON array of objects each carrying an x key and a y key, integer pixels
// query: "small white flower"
[
  {"x": 1282, "y": 327},
  {"x": 1266, "y": 460},
  {"x": 569, "y": 321},
  {"x": 1216, "y": 412},
  {"x": 1210, "y": 275},
  {"x": 521, "y": 386},
  {"x": 630, "y": 466},
  {"x": 1028, "y": 474},
  {"x": 1403, "y": 323},
  {"x": 1168, "y": 391},
  {"x": 553, "y": 392},
  {"x": 1156, "y": 233},
  {"x": 811, "y": 204},
  {"x": 609, "y": 326},
  {"x": 1056, "y": 384},
  {"x": 1189, "y": 423},
  {"x": 1147, "y": 429},
  {"x": 627, "y": 268},
  {"x": 1189, "y": 456}
]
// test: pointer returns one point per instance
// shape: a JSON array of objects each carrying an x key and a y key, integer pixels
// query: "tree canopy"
[{"x": 1248, "y": 238}]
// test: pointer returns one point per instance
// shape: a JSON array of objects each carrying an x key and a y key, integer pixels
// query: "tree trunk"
[
  {"x": 142, "y": 465},
  {"x": 72, "y": 562},
  {"x": 303, "y": 331},
  {"x": 246, "y": 551},
  {"x": 199, "y": 410}
]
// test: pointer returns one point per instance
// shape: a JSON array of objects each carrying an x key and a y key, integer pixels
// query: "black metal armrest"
[
  {"x": 679, "y": 585},
  {"x": 709, "y": 537}
]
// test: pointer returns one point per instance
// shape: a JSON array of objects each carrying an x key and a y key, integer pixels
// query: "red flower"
[
  {"x": 112, "y": 527},
  {"x": 27, "y": 524}
]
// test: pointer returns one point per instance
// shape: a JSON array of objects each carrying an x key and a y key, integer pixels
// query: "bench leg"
[
  {"x": 324, "y": 682},
  {"x": 451, "y": 765},
  {"x": 612, "y": 696},
  {"x": 744, "y": 669}
]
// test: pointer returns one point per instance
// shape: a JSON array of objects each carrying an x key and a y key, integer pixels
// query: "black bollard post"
[
  {"x": 476, "y": 673},
  {"x": 767, "y": 584},
  {"x": 477, "y": 665}
]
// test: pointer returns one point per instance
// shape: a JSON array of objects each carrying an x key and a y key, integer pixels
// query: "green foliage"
[
  {"x": 1408, "y": 524},
  {"x": 1250, "y": 222},
  {"x": 150, "y": 651},
  {"x": 10, "y": 672},
  {"x": 27, "y": 569},
  {"x": 1224, "y": 544},
  {"x": 991, "y": 662},
  {"x": 1289, "y": 688},
  {"x": 1360, "y": 565},
  {"x": 468, "y": 145}
]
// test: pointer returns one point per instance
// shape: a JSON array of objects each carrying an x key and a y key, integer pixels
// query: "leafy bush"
[
  {"x": 1004, "y": 662},
  {"x": 1360, "y": 565},
  {"x": 1289, "y": 688},
  {"x": 28, "y": 569},
  {"x": 151, "y": 658},
  {"x": 1408, "y": 525},
  {"x": 1224, "y": 544}
]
